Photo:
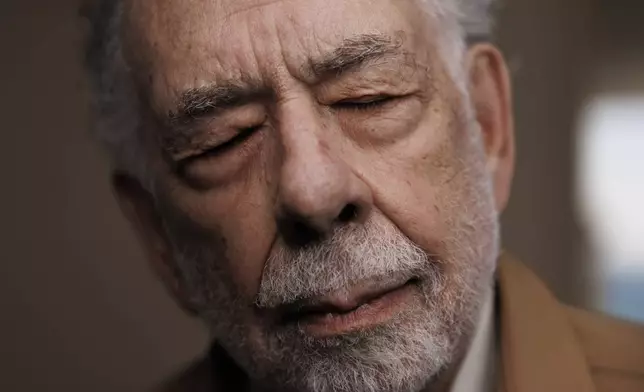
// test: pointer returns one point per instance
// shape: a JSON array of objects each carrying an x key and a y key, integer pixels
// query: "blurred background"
[{"x": 80, "y": 310}]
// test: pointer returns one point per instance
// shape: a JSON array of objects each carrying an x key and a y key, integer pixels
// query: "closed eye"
[
  {"x": 224, "y": 147},
  {"x": 364, "y": 103}
]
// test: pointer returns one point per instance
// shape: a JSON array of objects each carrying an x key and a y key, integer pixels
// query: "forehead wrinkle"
[
  {"x": 248, "y": 7},
  {"x": 371, "y": 48},
  {"x": 293, "y": 52}
]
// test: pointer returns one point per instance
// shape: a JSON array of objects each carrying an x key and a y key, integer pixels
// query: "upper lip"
[{"x": 342, "y": 301}]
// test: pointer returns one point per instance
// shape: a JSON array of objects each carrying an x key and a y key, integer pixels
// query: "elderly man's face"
[{"x": 326, "y": 194}]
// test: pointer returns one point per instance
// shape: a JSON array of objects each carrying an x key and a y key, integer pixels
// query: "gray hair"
[{"x": 116, "y": 107}]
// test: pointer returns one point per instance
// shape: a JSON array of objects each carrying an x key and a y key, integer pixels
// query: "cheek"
[
  {"x": 421, "y": 184},
  {"x": 250, "y": 236},
  {"x": 420, "y": 204},
  {"x": 236, "y": 222}
]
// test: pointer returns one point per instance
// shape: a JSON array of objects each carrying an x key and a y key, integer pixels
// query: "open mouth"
[{"x": 360, "y": 308}]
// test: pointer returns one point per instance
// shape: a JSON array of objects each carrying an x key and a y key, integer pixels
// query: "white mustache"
[{"x": 375, "y": 252}]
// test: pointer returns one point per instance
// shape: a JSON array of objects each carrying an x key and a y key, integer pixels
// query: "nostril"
[
  {"x": 349, "y": 213},
  {"x": 298, "y": 233}
]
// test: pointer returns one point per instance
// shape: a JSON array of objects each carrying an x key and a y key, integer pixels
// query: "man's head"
[{"x": 318, "y": 180}]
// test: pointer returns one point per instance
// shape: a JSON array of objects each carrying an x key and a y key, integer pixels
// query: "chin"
[{"x": 405, "y": 353}]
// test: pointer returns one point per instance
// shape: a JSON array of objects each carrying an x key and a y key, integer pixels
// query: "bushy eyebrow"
[
  {"x": 199, "y": 102},
  {"x": 355, "y": 52}
]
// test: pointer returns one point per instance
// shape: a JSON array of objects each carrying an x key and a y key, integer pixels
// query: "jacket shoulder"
[{"x": 614, "y": 350}]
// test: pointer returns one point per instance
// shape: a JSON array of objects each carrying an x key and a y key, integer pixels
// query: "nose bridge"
[
  {"x": 311, "y": 169},
  {"x": 317, "y": 186}
]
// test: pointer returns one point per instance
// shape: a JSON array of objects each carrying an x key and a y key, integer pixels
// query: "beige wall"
[
  {"x": 80, "y": 310},
  {"x": 548, "y": 44}
]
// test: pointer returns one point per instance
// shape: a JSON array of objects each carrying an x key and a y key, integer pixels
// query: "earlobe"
[{"x": 491, "y": 97}]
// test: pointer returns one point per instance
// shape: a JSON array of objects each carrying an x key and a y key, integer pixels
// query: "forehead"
[{"x": 188, "y": 42}]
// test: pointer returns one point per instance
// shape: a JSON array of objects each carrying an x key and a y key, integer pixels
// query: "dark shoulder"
[
  {"x": 614, "y": 350},
  {"x": 215, "y": 372},
  {"x": 196, "y": 377}
]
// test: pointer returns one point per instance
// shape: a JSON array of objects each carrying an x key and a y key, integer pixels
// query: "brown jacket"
[{"x": 544, "y": 346}]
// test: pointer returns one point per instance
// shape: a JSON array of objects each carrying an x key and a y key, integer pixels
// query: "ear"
[
  {"x": 138, "y": 206},
  {"x": 491, "y": 94}
]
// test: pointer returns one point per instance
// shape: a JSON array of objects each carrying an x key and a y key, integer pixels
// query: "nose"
[{"x": 318, "y": 190}]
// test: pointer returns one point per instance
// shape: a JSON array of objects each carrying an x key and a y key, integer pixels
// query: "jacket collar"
[{"x": 539, "y": 350}]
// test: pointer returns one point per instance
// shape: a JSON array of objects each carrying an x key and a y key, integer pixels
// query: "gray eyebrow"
[
  {"x": 199, "y": 102},
  {"x": 355, "y": 52}
]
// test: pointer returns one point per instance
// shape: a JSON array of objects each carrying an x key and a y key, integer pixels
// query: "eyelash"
[
  {"x": 357, "y": 105},
  {"x": 239, "y": 139}
]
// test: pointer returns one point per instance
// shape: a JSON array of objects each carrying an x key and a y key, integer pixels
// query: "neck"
[
  {"x": 444, "y": 381},
  {"x": 476, "y": 371}
]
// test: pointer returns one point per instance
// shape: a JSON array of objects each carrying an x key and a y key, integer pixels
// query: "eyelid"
[
  {"x": 222, "y": 147},
  {"x": 365, "y": 102},
  {"x": 366, "y": 98}
]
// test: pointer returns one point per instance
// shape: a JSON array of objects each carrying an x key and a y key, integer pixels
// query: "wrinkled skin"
[{"x": 392, "y": 144}]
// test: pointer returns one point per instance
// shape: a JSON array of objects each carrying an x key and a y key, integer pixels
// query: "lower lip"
[{"x": 375, "y": 312}]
